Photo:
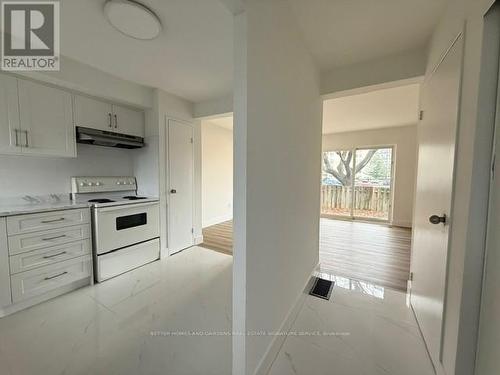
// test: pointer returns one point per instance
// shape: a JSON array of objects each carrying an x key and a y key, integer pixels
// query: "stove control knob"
[
  {"x": 118, "y": 182},
  {"x": 131, "y": 182},
  {"x": 98, "y": 183},
  {"x": 83, "y": 184}
]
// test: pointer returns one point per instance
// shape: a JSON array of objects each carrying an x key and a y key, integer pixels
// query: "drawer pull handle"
[
  {"x": 53, "y": 221},
  {"x": 58, "y": 275},
  {"x": 53, "y": 238},
  {"x": 55, "y": 255}
]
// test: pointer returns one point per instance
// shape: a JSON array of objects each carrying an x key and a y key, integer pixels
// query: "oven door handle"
[{"x": 126, "y": 206}]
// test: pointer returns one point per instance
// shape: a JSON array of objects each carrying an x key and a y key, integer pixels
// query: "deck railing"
[{"x": 368, "y": 200}]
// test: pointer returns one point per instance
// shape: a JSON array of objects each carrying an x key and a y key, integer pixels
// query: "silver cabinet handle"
[
  {"x": 55, "y": 255},
  {"x": 53, "y": 238},
  {"x": 110, "y": 120},
  {"x": 53, "y": 221},
  {"x": 116, "y": 121},
  {"x": 58, "y": 275}
]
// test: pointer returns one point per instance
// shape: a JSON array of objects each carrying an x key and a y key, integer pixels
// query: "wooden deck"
[{"x": 363, "y": 251}]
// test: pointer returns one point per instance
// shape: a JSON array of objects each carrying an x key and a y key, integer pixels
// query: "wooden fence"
[{"x": 366, "y": 198}]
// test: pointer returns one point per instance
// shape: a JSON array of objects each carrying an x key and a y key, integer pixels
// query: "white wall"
[
  {"x": 23, "y": 175},
  {"x": 80, "y": 77},
  {"x": 277, "y": 175},
  {"x": 405, "y": 141},
  {"x": 403, "y": 66},
  {"x": 217, "y": 174},
  {"x": 466, "y": 252}
]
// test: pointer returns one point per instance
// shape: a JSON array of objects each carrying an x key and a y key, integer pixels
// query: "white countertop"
[{"x": 28, "y": 205}]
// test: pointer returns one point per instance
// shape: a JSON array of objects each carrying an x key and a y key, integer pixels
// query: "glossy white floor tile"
[
  {"x": 107, "y": 328},
  {"x": 362, "y": 330}
]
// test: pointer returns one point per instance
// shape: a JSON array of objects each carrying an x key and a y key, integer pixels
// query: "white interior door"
[
  {"x": 180, "y": 186},
  {"x": 437, "y": 137}
]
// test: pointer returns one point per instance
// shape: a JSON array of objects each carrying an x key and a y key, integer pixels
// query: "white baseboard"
[
  {"x": 217, "y": 220},
  {"x": 198, "y": 240},
  {"x": 277, "y": 342}
]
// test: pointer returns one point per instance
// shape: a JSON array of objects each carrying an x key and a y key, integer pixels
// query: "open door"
[{"x": 434, "y": 191}]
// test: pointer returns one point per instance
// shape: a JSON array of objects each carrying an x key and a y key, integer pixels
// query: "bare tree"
[{"x": 343, "y": 171}]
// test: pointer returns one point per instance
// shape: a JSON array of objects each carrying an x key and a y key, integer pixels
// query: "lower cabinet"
[
  {"x": 5, "y": 297},
  {"x": 41, "y": 264},
  {"x": 42, "y": 280}
]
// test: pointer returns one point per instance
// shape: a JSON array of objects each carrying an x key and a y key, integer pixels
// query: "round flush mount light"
[{"x": 132, "y": 19}]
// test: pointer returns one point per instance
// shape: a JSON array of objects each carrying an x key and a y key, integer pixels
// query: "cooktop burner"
[
  {"x": 102, "y": 200},
  {"x": 133, "y": 197}
]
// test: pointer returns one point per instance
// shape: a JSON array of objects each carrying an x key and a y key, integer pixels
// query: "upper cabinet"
[
  {"x": 9, "y": 116},
  {"x": 35, "y": 119},
  {"x": 46, "y": 120},
  {"x": 128, "y": 121},
  {"x": 39, "y": 119},
  {"x": 92, "y": 113},
  {"x": 101, "y": 115}
]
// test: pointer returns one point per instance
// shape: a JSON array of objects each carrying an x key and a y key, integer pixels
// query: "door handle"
[
  {"x": 173, "y": 191},
  {"x": 436, "y": 219},
  {"x": 116, "y": 121},
  {"x": 110, "y": 120},
  {"x": 17, "y": 136}
]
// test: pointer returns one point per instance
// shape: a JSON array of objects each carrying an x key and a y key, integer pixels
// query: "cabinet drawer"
[
  {"x": 23, "y": 243},
  {"x": 42, "y": 280},
  {"x": 46, "y": 220},
  {"x": 44, "y": 257}
]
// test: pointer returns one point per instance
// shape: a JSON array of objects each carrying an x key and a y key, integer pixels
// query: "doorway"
[{"x": 358, "y": 183}]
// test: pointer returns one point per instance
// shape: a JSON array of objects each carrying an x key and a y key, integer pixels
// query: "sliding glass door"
[{"x": 357, "y": 183}]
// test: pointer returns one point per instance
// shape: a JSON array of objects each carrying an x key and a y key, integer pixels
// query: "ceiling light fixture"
[{"x": 132, "y": 19}]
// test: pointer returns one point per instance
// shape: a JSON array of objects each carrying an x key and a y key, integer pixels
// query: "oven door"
[{"x": 120, "y": 226}]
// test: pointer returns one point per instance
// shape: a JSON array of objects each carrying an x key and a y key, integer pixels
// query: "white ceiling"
[
  {"x": 191, "y": 58},
  {"x": 344, "y": 32},
  {"x": 223, "y": 122},
  {"x": 374, "y": 110}
]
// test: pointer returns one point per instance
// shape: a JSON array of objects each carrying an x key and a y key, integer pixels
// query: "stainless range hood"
[{"x": 107, "y": 139}]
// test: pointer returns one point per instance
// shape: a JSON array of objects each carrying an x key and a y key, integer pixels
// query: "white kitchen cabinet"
[
  {"x": 128, "y": 121},
  {"x": 93, "y": 114},
  {"x": 9, "y": 116},
  {"x": 5, "y": 296},
  {"x": 101, "y": 115},
  {"x": 46, "y": 117}
]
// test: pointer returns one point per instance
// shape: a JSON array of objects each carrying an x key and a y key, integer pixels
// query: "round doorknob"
[
  {"x": 173, "y": 191},
  {"x": 436, "y": 219}
]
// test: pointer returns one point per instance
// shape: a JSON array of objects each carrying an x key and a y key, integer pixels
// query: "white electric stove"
[{"x": 125, "y": 226}]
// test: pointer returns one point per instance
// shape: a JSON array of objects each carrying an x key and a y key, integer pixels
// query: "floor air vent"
[{"x": 322, "y": 288}]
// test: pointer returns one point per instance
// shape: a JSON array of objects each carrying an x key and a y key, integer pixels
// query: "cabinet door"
[
  {"x": 9, "y": 116},
  {"x": 93, "y": 114},
  {"x": 46, "y": 120},
  {"x": 5, "y": 299},
  {"x": 128, "y": 121}
]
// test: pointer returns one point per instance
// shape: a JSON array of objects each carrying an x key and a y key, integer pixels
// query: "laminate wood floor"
[
  {"x": 219, "y": 237},
  {"x": 363, "y": 251}
]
